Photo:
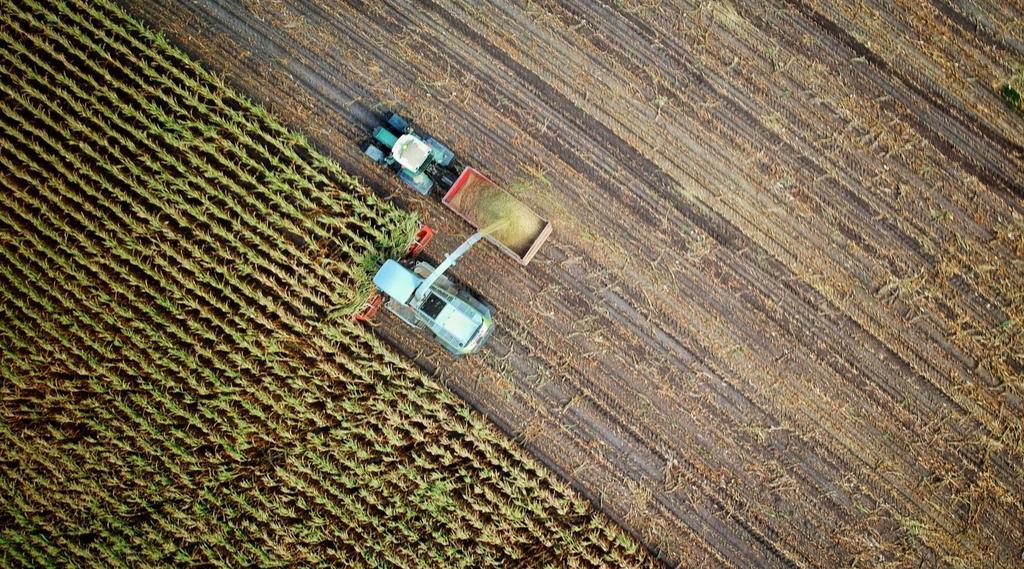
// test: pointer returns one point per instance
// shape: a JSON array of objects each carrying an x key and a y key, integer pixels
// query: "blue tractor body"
[{"x": 418, "y": 160}]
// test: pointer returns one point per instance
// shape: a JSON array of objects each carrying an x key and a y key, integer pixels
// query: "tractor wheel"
[{"x": 397, "y": 123}]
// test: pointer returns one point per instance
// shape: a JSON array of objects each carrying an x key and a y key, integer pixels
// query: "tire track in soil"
[
  {"x": 900, "y": 362},
  {"x": 587, "y": 392}
]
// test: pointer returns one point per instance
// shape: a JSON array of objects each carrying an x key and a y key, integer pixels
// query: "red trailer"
[{"x": 481, "y": 202}]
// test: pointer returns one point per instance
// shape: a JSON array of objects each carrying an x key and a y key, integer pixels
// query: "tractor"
[{"x": 419, "y": 161}]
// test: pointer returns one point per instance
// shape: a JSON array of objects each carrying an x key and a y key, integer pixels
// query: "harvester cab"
[
  {"x": 420, "y": 161},
  {"x": 424, "y": 297}
]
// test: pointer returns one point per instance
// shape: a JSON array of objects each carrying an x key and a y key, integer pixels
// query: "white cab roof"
[{"x": 410, "y": 152}]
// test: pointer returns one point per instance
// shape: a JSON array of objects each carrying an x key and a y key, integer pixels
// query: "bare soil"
[{"x": 779, "y": 319}]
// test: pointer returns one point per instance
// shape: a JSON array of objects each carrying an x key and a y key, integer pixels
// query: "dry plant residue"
[{"x": 485, "y": 203}]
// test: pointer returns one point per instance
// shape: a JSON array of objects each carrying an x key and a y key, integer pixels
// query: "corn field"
[{"x": 181, "y": 378}]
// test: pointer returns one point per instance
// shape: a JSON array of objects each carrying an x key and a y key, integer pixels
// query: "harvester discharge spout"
[{"x": 453, "y": 257}]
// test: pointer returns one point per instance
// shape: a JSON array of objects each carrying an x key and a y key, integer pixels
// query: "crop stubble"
[
  {"x": 779, "y": 317},
  {"x": 181, "y": 378}
]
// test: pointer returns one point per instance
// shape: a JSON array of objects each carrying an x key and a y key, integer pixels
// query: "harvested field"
[
  {"x": 181, "y": 381},
  {"x": 778, "y": 321}
]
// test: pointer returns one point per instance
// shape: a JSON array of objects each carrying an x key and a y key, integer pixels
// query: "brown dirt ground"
[{"x": 779, "y": 320}]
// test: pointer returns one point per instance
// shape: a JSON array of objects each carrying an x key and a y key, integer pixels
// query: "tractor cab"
[
  {"x": 459, "y": 321},
  {"x": 410, "y": 152}
]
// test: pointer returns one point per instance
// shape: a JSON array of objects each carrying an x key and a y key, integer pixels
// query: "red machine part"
[
  {"x": 371, "y": 308},
  {"x": 423, "y": 237}
]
